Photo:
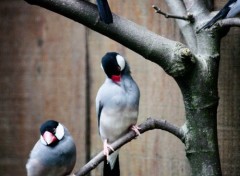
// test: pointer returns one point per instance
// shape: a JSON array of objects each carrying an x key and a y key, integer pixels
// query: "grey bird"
[
  {"x": 54, "y": 153},
  {"x": 117, "y": 105},
  {"x": 231, "y": 9}
]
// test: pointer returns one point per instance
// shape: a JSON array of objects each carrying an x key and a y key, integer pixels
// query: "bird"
[
  {"x": 230, "y": 9},
  {"x": 117, "y": 106},
  {"x": 104, "y": 11},
  {"x": 54, "y": 153}
]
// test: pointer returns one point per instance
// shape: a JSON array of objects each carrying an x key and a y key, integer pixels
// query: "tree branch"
[
  {"x": 149, "y": 124},
  {"x": 178, "y": 7},
  {"x": 230, "y": 22},
  {"x": 160, "y": 50}
]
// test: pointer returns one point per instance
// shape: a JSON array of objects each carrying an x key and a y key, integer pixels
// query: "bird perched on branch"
[
  {"x": 117, "y": 104},
  {"x": 54, "y": 153},
  {"x": 104, "y": 11},
  {"x": 231, "y": 9}
]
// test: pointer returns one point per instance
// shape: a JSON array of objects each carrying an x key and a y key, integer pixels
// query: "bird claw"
[
  {"x": 106, "y": 148},
  {"x": 136, "y": 129}
]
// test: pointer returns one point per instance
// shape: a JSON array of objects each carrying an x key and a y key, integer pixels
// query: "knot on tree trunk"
[{"x": 182, "y": 61}]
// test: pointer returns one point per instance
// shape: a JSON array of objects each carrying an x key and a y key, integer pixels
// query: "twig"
[
  {"x": 231, "y": 22},
  {"x": 149, "y": 124},
  {"x": 179, "y": 8},
  {"x": 228, "y": 22},
  {"x": 189, "y": 17}
]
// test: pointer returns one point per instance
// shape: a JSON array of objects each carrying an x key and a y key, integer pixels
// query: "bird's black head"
[
  {"x": 51, "y": 132},
  {"x": 113, "y": 65}
]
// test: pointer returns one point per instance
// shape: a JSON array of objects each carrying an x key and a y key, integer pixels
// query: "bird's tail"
[
  {"x": 220, "y": 15},
  {"x": 211, "y": 22},
  {"x": 104, "y": 11},
  {"x": 111, "y": 171}
]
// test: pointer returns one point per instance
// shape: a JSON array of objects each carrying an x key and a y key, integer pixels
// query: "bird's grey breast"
[{"x": 124, "y": 95}]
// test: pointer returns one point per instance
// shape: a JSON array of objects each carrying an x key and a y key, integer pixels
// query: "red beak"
[
  {"x": 49, "y": 137},
  {"x": 116, "y": 78}
]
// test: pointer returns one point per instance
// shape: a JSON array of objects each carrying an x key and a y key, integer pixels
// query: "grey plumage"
[
  {"x": 235, "y": 10},
  {"x": 117, "y": 102},
  {"x": 48, "y": 160}
]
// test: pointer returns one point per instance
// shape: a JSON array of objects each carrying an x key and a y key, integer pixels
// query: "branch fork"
[{"x": 182, "y": 62}]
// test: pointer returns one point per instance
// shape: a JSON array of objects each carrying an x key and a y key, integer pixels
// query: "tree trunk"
[{"x": 200, "y": 93}]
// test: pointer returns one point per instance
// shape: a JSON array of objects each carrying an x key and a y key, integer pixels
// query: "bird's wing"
[
  {"x": 235, "y": 9},
  {"x": 220, "y": 15},
  {"x": 99, "y": 110},
  {"x": 99, "y": 103},
  {"x": 34, "y": 165}
]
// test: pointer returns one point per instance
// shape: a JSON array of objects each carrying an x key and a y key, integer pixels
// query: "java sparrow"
[
  {"x": 54, "y": 153},
  {"x": 117, "y": 103},
  {"x": 231, "y": 9},
  {"x": 104, "y": 11}
]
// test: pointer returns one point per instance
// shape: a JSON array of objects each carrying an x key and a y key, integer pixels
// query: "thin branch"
[
  {"x": 149, "y": 124},
  {"x": 188, "y": 17},
  {"x": 230, "y": 22},
  {"x": 186, "y": 28}
]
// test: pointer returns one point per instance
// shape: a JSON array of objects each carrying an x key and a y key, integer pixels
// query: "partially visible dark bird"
[
  {"x": 231, "y": 9},
  {"x": 104, "y": 11},
  {"x": 54, "y": 153},
  {"x": 117, "y": 105}
]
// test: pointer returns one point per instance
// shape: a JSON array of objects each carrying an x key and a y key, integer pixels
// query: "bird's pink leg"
[
  {"x": 106, "y": 146},
  {"x": 136, "y": 129}
]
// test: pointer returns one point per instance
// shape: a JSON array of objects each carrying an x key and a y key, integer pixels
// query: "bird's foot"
[
  {"x": 106, "y": 148},
  {"x": 136, "y": 129}
]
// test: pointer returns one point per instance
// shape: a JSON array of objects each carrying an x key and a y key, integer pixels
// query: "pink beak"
[{"x": 49, "y": 137}]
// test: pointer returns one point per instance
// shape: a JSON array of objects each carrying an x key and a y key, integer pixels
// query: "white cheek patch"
[
  {"x": 42, "y": 140},
  {"x": 101, "y": 66},
  {"x": 59, "y": 132},
  {"x": 121, "y": 62}
]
